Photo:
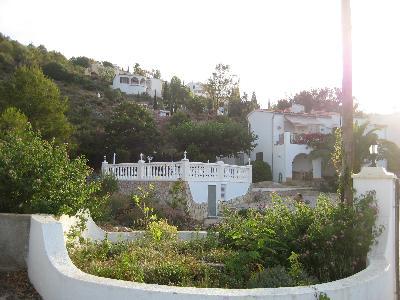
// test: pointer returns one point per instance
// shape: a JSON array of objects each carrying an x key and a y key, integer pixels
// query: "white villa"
[
  {"x": 196, "y": 88},
  {"x": 281, "y": 141},
  {"x": 136, "y": 85}
]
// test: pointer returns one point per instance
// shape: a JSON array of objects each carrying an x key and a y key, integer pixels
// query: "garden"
[{"x": 287, "y": 244}]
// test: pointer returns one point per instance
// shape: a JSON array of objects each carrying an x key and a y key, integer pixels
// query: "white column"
[
  {"x": 249, "y": 173},
  {"x": 140, "y": 169},
  {"x": 383, "y": 183},
  {"x": 185, "y": 169},
  {"x": 104, "y": 166},
  {"x": 317, "y": 168},
  {"x": 220, "y": 171}
]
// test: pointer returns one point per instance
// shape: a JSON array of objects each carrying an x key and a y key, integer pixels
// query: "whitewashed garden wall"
[{"x": 55, "y": 277}]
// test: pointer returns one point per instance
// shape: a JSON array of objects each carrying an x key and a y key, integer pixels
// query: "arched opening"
[
  {"x": 302, "y": 168},
  {"x": 142, "y": 81},
  {"x": 134, "y": 80}
]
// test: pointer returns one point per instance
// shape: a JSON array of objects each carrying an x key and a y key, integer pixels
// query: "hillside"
[{"x": 87, "y": 111}]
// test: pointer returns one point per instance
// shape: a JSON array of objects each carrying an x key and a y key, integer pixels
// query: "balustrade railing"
[{"x": 184, "y": 170}]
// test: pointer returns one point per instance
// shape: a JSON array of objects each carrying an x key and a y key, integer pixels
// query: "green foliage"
[
  {"x": 57, "y": 71},
  {"x": 178, "y": 196},
  {"x": 325, "y": 99},
  {"x": 142, "y": 200},
  {"x": 40, "y": 100},
  {"x": 109, "y": 184},
  {"x": 81, "y": 61},
  {"x": 221, "y": 85},
  {"x": 261, "y": 171},
  {"x": 130, "y": 131},
  {"x": 13, "y": 120},
  {"x": 212, "y": 138},
  {"x": 37, "y": 176},
  {"x": 271, "y": 277},
  {"x": 288, "y": 244},
  {"x": 331, "y": 241},
  {"x": 168, "y": 262},
  {"x": 160, "y": 230},
  {"x": 178, "y": 118},
  {"x": 391, "y": 152}
]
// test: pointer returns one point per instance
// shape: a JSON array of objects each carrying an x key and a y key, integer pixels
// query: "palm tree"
[{"x": 362, "y": 140}]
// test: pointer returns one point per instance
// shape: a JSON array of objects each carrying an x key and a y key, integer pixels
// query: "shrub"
[
  {"x": 161, "y": 230},
  {"x": 261, "y": 171},
  {"x": 332, "y": 240},
  {"x": 57, "y": 71},
  {"x": 272, "y": 277},
  {"x": 37, "y": 176}
]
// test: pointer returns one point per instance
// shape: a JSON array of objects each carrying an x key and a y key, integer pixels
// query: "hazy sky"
[{"x": 277, "y": 47}]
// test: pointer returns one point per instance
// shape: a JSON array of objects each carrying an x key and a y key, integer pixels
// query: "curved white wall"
[{"x": 55, "y": 277}]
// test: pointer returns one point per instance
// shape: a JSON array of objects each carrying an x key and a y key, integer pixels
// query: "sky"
[{"x": 276, "y": 47}]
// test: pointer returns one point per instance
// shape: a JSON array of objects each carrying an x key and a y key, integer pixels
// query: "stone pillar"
[
  {"x": 384, "y": 184},
  {"x": 317, "y": 168}
]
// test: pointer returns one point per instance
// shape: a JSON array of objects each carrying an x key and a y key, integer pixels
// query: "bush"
[
  {"x": 288, "y": 244},
  {"x": 57, "y": 71},
  {"x": 161, "y": 230},
  {"x": 261, "y": 171},
  {"x": 37, "y": 176},
  {"x": 332, "y": 240},
  {"x": 272, "y": 277}
]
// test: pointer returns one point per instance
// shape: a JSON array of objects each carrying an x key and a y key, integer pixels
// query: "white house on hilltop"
[
  {"x": 196, "y": 88},
  {"x": 281, "y": 140},
  {"x": 133, "y": 84}
]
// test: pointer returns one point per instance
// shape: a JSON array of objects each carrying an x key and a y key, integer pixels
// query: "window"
[
  {"x": 124, "y": 80},
  {"x": 223, "y": 191},
  {"x": 142, "y": 81},
  {"x": 134, "y": 80},
  {"x": 260, "y": 156}
]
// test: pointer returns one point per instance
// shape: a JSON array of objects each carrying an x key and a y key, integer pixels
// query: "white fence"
[{"x": 184, "y": 170}]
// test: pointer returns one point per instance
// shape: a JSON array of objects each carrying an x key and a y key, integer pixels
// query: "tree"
[
  {"x": 40, "y": 100},
  {"x": 57, "y": 71},
  {"x": 324, "y": 99},
  {"x": 253, "y": 97},
  {"x": 391, "y": 152},
  {"x": 175, "y": 94},
  {"x": 130, "y": 131},
  {"x": 220, "y": 85},
  {"x": 138, "y": 70},
  {"x": 261, "y": 171},
  {"x": 107, "y": 64},
  {"x": 213, "y": 138},
  {"x": 37, "y": 176},
  {"x": 156, "y": 74},
  {"x": 13, "y": 120},
  {"x": 81, "y": 61}
]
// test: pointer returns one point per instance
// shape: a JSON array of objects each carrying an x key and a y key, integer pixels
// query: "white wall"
[
  {"x": 199, "y": 190},
  {"x": 150, "y": 86},
  {"x": 55, "y": 277},
  {"x": 261, "y": 124}
]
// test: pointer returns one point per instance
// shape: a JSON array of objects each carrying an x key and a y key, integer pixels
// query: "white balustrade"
[{"x": 184, "y": 170}]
